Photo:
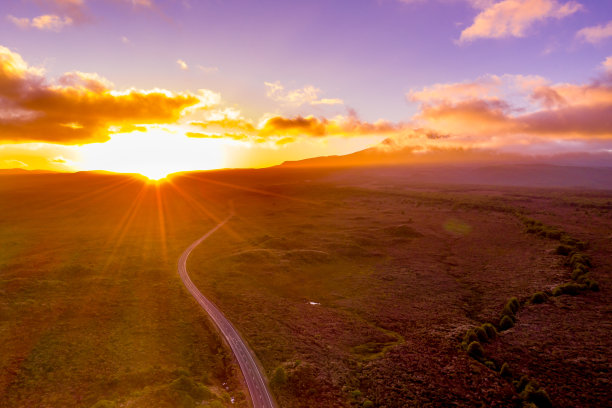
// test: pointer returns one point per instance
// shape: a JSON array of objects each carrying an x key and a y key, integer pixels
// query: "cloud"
[
  {"x": 182, "y": 64},
  {"x": 318, "y": 127},
  {"x": 77, "y": 108},
  {"x": 514, "y": 18},
  {"x": 21, "y": 22},
  {"x": 595, "y": 34},
  {"x": 75, "y": 10},
  {"x": 516, "y": 108},
  {"x": 297, "y": 97},
  {"x": 607, "y": 65},
  {"x": 280, "y": 130},
  {"x": 47, "y": 22},
  {"x": 208, "y": 70}
]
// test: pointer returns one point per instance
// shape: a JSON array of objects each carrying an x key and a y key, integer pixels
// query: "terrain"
[{"x": 353, "y": 287}]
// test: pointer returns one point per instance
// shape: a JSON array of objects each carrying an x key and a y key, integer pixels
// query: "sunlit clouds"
[
  {"x": 77, "y": 108},
  {"x": 156, "y": 87},
  {"x": 297, "y": 97},
  {"x": 49, "y": 22},
  {"x": 514, "y": 18},
  {"x": 595, "y": 34}
]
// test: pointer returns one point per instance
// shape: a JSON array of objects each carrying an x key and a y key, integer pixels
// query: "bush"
[
  {"x": 533, "y": 393},
  {"x": 475, "y": 349},
  {"x": 514, "y": 304},
  {"x": 563, "y": 250},
  {"x": 505, "y": 371},
  {"x": 568, "y": 289},
  {"x": 521, "y": 384},
  {"x": 470, "y": 336},
  {"x": 367, "y": 404},
  {"x": 539, "y": 297},
  {"x": 195, "y": 390},
  {"x": 482, "y": 334},
  {"x": 490, "y": 330},
  {"x": 594, "y": 286},
  {"x": 506, "y": 323},
  {"x": 490, "y": 365},
  {"x": 578, "y": 272},
  {"x": 507, "y": 311},
  {"x": 279, "y": 377},
  {"x": 579, "y": 258},
  {"x": 582, "y": 278}
]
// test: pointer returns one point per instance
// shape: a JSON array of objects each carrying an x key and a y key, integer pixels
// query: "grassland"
[
  {"x": 91, "y": 308},
  {"x": 351, "y": 290}
]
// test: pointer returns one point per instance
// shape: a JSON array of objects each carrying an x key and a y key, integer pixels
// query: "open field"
[
  {"x": 352, "y": 290},
  {"x": 91, "y": 306}
]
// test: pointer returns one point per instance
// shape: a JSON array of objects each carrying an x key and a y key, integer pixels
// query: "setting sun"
[{"x": 154, "y": 153}]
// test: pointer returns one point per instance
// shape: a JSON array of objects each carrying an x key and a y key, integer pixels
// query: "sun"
[
  {"x": 154, "y": 174},
  {"x": 154, "y": 153}
]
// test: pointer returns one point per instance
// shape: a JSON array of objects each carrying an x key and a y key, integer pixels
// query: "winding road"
[{"x": 255, "y": 379}]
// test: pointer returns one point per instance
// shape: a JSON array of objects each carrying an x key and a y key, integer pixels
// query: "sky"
[{"x": 158, "y": 86}]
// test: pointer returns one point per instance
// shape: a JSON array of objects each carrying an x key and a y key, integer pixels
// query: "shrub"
[
  {"x": 279, "y": 377},
  {"x": 514, "y": 304},
  {"x": 533, "y": 393},
  {"x": 568, "y": 289},
  {"x": 490, "y": 364},
  {"x": 583, "y": 278},
  {"x": 563, "y": 250},
  {"x": 579, "y": 258},
  {"x": 482, "y": 334},
  {"x": 475, "y": 349},
  {"x": 594, "y": 286},
  {"x": 490, "y": 330},
  {"x": 521, "y": 384},
  {"x": 195, "y": 390},
  {"x": 470, "y": 336},
  {"x": 505, "y": 371},
  {"x": 506, "y": 323},
  {"x": 367, "y": 404},
  {"x": 507, "y": 312},
  {"x": 578, "y": 272},
  {"x": 539, "y": 297}
]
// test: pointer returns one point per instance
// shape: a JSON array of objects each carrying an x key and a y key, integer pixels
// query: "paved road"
[{"x": 255, "y": 379}]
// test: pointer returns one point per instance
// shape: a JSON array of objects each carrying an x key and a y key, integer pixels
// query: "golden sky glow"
[{"x": 182, "y": 104}]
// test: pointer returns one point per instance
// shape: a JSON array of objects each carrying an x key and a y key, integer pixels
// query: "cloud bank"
[{"x": 77, "y": 108}]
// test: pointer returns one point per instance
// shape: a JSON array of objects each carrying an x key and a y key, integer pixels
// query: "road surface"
[{"x": 255, "y": 379}]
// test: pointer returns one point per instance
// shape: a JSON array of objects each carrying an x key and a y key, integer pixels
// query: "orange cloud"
[
  {"x": 47, "y": 22},
  {"x": 595, "y": 34},
  {"x": 307, "y": 95},
  {"x": 282, "y": 130},
  {"x": 226, "y": 123},
  {"x": 513, "y": 18},
  {"x": 561, "y": 111},
  {"x": 311, "y": 126},
  {"x": 78, "y": 108}
]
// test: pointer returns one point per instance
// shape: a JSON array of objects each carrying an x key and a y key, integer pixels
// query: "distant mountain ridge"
[{"x": 581, "y": 170}]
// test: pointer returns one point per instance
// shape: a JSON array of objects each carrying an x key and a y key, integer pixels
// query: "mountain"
[{"x": 461, "y": 166}]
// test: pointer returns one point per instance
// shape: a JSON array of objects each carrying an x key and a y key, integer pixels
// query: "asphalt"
[{"x": 255, "y": 379}]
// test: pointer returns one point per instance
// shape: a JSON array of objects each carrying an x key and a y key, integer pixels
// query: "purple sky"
[{"x": 331, "y": 59}]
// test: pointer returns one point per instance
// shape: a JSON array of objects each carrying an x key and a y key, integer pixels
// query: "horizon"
[{"x": 157, "y": 87}]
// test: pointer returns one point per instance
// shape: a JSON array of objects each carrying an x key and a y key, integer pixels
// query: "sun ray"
[{"x": 162, "y": 222}]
